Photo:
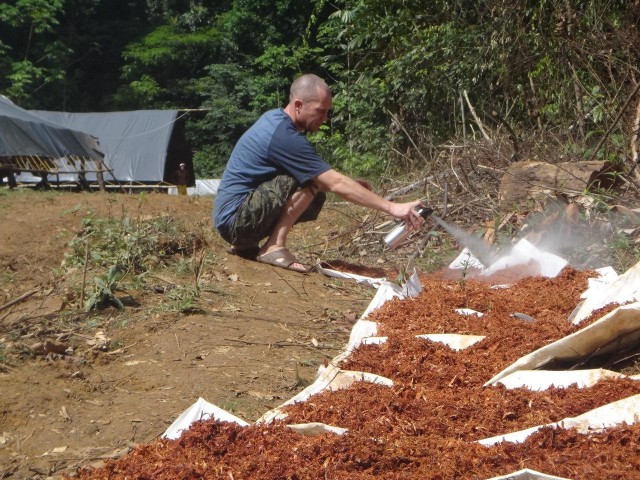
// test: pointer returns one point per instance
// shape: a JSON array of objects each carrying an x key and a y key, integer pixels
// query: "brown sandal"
[{"x": 282, "y": 258}]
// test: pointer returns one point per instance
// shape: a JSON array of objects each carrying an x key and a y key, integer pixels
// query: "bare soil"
[{"x": 77, "y": 388}]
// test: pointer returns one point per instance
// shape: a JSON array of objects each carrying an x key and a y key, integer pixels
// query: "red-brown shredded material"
[
  {"x": 426, "y": 425},
  {"x": 346, "y": 267}
]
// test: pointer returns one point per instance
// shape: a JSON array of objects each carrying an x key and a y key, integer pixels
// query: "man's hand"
[{"x": 407, "y": 212}]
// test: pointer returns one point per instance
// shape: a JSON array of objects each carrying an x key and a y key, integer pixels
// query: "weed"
[
  {"x": 103, "y": 294},
  {"x": 72, "y": 210},
  {"x": 228, "y": 405},
  {"x": 142, "y": 197},
  {"x": 92, "y": 323},
  {"x": 7, "y": 277},
  {"x": 184, "y": 299},
  {"x": 625, "y": 252},
  {"x": 132, "y": 244},
  {"x": 183, "y": 266},
  {"x": 464, "y": 273},
  {"x": 58, "y": 272}
]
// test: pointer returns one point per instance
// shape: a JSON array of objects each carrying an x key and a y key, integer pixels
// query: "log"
[{"x": 530, "y": 182}]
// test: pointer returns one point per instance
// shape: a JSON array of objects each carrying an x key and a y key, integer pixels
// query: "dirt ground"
[{"x": 115, "y": 378}]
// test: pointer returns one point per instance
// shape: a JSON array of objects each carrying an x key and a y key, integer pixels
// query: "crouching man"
[{"x": 275, "y": 178}]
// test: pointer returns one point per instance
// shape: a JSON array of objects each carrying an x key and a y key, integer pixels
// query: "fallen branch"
[
  {"x": 280, "y": 344},
  {"x": 407, "y": 188},
  {"x": 476, "y": 118},
  {"x": 22, "y": 297},
  {"x": 397, "y": 120}
]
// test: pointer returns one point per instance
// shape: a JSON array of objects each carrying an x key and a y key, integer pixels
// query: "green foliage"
[
  {"x": 7, "y": 276},
  {"x": 398, "y": 69},
  {"x": 40, "y": 15},
  {"x": 163, "y": 68},
  {"x": 526, "y": 62},
  {"x": 227, "y": 92},
  {"x": 32, "y": 56},
  {"x": 132, "y": 245},
  {"x": 184, "y": 299},
  {"x": 103, "y": 294}
]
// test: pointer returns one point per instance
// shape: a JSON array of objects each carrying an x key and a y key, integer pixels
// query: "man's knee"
[{"x": 313, "y": 210}]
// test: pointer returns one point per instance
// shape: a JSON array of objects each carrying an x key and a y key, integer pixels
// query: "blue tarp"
[
  {"x": 24, "y": 134},
  {"x": 138, "y": 145}
]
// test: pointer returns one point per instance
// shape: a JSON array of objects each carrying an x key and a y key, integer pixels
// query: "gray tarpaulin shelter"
[
  {"x": 33, "y": 144},
  {"x": 143, "y": 146}
]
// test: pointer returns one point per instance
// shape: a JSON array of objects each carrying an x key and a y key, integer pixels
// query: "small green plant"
[
  {"x": 183, "y": 266},
  {"x": 103, "y": 294},
  {"x": 72, "y": 210},
  {"x": 7, "y": 276},
  {"x": 464, "y": 273},
  {"x": 4, "y": 361},
  {"x": 309, "y": 363},
  {"x": 184, "y": 299},
  {"x": 142, "y": 197},
  {"x": 229, "y": 405}
]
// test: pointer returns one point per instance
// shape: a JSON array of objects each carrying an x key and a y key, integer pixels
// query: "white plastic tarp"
[
  {"x": 609, "y": 289},
  {"x": 329, "y": 378},
  {"x": 201, "y": 410},
  {"x": 520, "y": 254},
  {"x": 527, "y": 474},
  {"x": 66, "y": 171},
  {"x": 316, "y": 428},
  {"x": 615, "y": 331},
  {"x": 203, "y": 188},
  {"x": 598, "y": 419},
  {"x": 539, "y": 380},
  {"x": 329, "y": 272},
  {"x": 465, "y": 260},
  {"x": 452, "y": 340}
]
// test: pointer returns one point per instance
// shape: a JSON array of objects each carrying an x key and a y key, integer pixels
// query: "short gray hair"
[{"x": 306, "y": 87}]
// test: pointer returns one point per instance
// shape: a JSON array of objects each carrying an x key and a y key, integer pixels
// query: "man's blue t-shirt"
[{"x": 271, "y": 147}]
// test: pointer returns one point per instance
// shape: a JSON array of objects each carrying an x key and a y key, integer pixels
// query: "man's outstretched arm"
[{"x": 354, "y": 192}]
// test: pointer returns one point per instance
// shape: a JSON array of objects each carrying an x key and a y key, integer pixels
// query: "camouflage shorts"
[{"x": 257, "y": 216}]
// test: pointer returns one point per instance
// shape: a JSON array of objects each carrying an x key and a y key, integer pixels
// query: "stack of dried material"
[{"x": 428, "y": 424}]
